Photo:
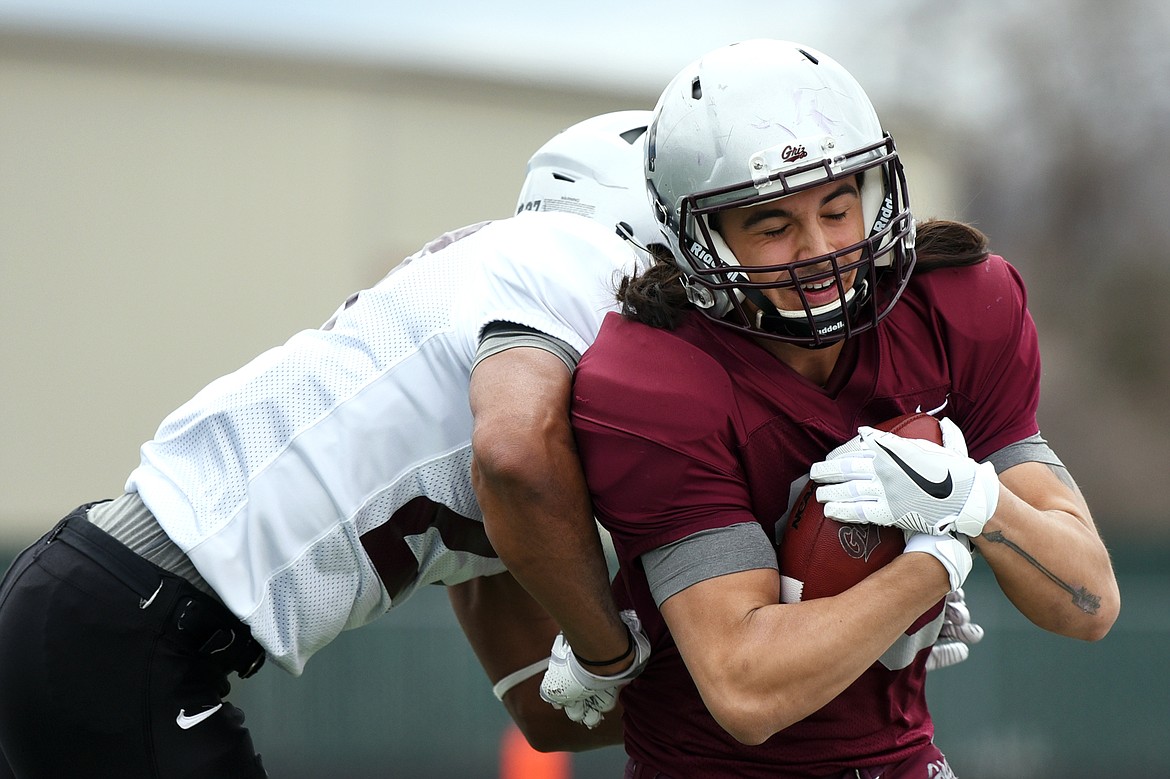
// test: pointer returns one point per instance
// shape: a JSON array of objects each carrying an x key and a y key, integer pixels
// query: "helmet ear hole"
[
  {"x": 631, "y": 136},
  {"x": 697, "y": 89}
]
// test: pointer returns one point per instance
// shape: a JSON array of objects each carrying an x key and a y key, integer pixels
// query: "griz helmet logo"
[{"x": 793, "y": 153}]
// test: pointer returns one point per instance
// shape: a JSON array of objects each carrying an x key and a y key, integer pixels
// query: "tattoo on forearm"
[{"x": 1081, "y": 598}]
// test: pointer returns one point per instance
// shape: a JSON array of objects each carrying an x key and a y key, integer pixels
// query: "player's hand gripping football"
[
  {"x": 957, "y": 636},
  {"x": 585, "y": 697},
  {"x": 915, "y": 485}
]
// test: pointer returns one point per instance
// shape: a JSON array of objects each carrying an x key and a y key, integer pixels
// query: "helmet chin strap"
[{"x": 825, "y": 322}]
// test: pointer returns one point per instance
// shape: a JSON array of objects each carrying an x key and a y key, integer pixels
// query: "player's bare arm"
[
  {"x": 1049, "y": 560},
  {"x": 1031, "y": 523},
  {"x": 508, "y": 630},
  {"x": 535, "y": 503},
  {"x": 761, "y": 665}
]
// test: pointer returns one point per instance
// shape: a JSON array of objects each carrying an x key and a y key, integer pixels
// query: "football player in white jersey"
[{"x": 317, "y": 487}]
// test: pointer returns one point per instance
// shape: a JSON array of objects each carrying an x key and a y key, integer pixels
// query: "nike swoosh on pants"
[{"x": 184, "y": 721}]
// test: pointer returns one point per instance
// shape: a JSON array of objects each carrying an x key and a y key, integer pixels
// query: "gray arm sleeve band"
[
  {"x": 709, "y": 553},
  {"x": 501, "y": 336},
  {"x": 704, "y": 555},
  {"x": 1033, "y": 449}
]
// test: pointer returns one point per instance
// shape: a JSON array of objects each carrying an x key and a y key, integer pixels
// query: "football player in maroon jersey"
[{"x": 787, "y": 316}]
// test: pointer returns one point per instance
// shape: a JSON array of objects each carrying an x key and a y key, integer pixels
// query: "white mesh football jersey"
[{"x": 270, "y": 475}]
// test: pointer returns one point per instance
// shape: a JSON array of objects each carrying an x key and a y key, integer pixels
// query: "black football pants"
[{"x": 112, "y": 667}]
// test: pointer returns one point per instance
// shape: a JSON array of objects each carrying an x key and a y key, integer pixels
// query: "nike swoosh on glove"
[
  {"x": 584, "y": 696},
  {"x": 909, "y": 483}
]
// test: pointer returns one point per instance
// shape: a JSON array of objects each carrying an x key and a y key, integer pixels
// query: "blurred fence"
[{"x": 405, "y": 697}]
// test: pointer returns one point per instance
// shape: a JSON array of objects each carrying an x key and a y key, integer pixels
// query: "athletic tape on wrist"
[{"x": 500, "y": 688}]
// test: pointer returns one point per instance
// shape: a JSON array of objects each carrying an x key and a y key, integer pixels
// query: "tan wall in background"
[{"x": 166, "y": 215}]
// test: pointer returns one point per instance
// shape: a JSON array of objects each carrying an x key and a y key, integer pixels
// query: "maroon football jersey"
[{"x": 700, "y": 427}]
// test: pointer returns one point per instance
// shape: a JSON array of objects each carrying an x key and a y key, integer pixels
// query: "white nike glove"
[
  {"x": 908, "y": 483},
  {"x": 957, "y": 636},
  {"x": 584, "y": 696},
  {"x": 953, "y": 552}
]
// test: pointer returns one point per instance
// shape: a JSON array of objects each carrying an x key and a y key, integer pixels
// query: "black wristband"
[{"x": 619, "y": 658}]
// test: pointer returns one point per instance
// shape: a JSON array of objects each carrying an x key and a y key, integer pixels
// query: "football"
[{"x": 819, "y": 557}]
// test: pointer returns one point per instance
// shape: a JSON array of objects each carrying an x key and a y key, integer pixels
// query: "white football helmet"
[
  {"x": 594, "y": 168},
  {"x": 756, "y": 121}
]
